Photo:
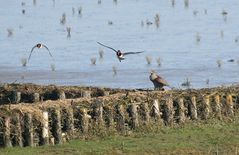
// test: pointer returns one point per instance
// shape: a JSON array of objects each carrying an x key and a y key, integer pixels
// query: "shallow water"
[{"x": 174, "y": 42}]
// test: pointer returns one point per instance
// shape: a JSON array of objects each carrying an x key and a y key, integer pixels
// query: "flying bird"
[
  {"x": 39, "y": 45},
  {"x": 158, "y": 81},
  {"x": 120, "y": 55}
]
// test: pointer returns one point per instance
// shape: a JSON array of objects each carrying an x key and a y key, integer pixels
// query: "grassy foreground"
[{"x": 213, "y": 137}]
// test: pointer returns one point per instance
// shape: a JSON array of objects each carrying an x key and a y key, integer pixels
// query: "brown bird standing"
[{"x": 158, "y": 81}]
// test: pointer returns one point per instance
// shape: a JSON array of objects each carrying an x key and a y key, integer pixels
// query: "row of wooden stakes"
[
  {"x": 16, "y": 96},
  {"x": 57, "y": 125}
]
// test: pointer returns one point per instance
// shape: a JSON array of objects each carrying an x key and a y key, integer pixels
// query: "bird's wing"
[
  {"x": 107, "y": 47},
  {"x": 31, "y": 52},
  {"x": 47, "y": 49},
  {"x": 162, "y": 81},
  {"x": 126, "y": 53}
]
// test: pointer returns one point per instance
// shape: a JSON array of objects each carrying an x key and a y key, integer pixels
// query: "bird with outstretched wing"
[
  {"x": 120, "y": 55},
  {"x": 39, "y": 45}
]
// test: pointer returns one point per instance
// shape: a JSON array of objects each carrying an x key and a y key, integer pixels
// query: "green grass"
[{"x": 192, "y": 138}]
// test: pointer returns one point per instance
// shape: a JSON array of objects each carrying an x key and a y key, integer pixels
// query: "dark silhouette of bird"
[
  {"x": 231, "y": 60},
  {"x": 39, "y": 45},
  {"x": 120, "y": 55},
  {"x": 186, "y": 83},
  {"x": 224, "y": 13},
  {"x": 158, "y": 81}
]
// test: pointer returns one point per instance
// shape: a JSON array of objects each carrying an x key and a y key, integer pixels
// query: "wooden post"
[
  {"x": 145, "y": 112},
  {"x": 61, "y": 95},
  {"x": 52, "y": 141},
  {"x": 134, "y": 115},
  {"x": 206, "y": 107},
  {"x": 86, "y": 94},
  {"x": 181, "y": 110},
  {"x": 84, "y": 121},
  {"x": 69, "y": 122},
  {"x": 106, "y": 93},
  {"x": 120, "y": 118},
  {"x": 18, "y": 131},
  {"x": 193, "y": 108},
  {"x": 7, "y": 132},
  {"x": 1, "y": 130},
  {"x": 64, "y": 138},
  {"x": 169, "y": 111},
  {"x": 109, "y": 118},
  {"x": 45, "y": 128},
  {"x": 35, "y": 97},
  {"x": 16, "y": 97},
  {"x": 156, "y": 111},
  {"x": 98, "y": 112},
  {"x": 28, "y": 130},
  {"x": 218, "y": 107},
  {"x": 56, "y": 126},
  {"x": 229, "y": 105}
]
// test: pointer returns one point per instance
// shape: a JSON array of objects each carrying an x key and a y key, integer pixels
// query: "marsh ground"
[{"x": 211, "y": 137}]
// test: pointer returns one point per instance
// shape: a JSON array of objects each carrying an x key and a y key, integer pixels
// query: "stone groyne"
[{"x": 33, "y": 115}]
